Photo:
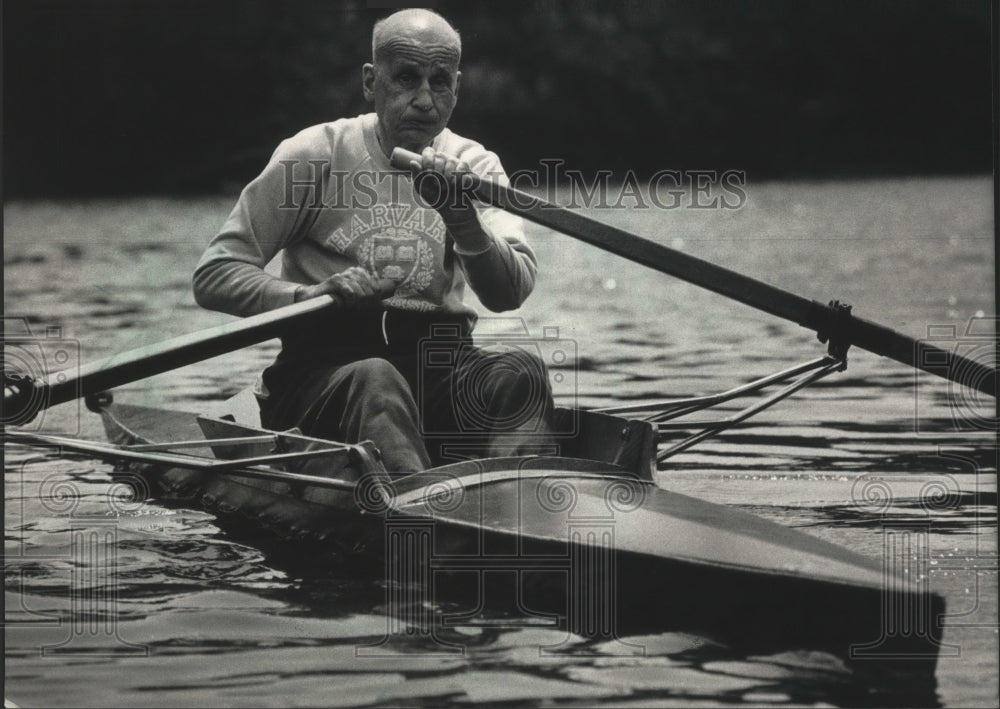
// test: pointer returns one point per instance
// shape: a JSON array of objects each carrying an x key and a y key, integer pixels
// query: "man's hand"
[
  {"x": 439, "y": 179},
  {"x": 356, "y": 287}
]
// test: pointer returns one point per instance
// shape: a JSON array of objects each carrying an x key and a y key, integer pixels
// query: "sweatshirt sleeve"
[
  {"x": 271, "y": 213},
  {"x": 502, "y": 273}
]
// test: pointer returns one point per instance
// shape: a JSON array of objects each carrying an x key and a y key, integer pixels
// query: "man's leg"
[
  {"x": 364, "y": 400},
  {"x": 494, "y": 402}
]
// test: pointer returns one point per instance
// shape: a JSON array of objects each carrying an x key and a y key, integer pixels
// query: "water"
[{"x": 191, "y": 617}]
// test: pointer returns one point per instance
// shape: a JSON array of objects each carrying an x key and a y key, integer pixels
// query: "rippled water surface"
[{"x": 192, "y": 617}]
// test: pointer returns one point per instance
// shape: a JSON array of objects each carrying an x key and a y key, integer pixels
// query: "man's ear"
[
  {"x": 368, "y": 81},
  {"x": 458, "y": 82}
]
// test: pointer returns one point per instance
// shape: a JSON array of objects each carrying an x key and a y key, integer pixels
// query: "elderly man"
[{"x": 395, "y": 364}]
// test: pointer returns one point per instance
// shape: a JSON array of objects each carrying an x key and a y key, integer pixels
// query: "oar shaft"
[
  {"x": 702, "y": 273},
  {"x": 177, "y": 352},
  {"x": 811, "y": 314}
]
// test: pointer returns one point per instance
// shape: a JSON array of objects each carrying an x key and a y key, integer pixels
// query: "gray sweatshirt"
[{"x": 328, "y": 200}]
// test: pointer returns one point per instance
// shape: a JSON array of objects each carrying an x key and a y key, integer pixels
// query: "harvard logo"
[{"x": 401, "y": 256}]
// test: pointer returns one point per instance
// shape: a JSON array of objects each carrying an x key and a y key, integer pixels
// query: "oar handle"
[
  {"x": 25, "y": 397},
  {"x": 824, "y": 319},
  {"x": 403, "y": 159}
]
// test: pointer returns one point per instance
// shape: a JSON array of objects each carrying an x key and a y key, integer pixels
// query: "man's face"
[{"x": 414, "y": 86}]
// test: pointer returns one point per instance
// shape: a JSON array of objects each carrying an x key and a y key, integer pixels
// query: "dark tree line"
[{"x": 188, "y": 96}]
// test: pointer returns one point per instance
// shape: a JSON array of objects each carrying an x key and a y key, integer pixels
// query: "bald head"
[
  {"x": 413, "y": 78},
  {"x": 415, "y": 26}
]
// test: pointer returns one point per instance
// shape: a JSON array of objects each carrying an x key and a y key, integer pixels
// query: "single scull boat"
[{"x": 584, "y": 538}]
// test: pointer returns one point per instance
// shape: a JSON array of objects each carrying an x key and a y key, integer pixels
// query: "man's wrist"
[
  {"x": 467, "y": 250},
  {"x": 472, "y": 242},
  {"x": 470, "y": 237},
  {"x": 459, "y": 217}
]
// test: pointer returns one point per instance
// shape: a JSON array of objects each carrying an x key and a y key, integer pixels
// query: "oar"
[
  {"x": 25, "y": 397},
  {"x": 829, "y": 321}
]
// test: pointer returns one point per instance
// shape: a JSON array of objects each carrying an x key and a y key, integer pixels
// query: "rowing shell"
[
  {"x": 584, "y": 537},
  {"x": 587, "y": 540}
]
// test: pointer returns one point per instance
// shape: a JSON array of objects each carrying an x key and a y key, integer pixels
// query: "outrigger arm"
[{"x": 665, "y": 413}]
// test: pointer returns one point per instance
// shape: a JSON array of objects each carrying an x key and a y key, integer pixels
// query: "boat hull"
[{"x": 580, "y": 544}]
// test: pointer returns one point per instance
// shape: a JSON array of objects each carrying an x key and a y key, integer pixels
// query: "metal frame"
[
  {"x": 249, "y": 467},
  {"x": 663, "y": 412}
]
